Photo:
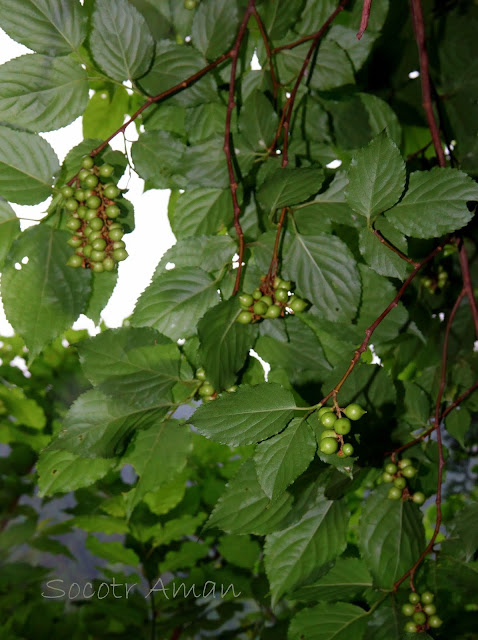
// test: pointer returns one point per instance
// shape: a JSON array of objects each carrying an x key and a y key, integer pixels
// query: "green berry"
[
  {"x": 245, "y": 299},
  {"x": 119, "y": 244},
  {"x": 411, "y": 627},
  {"x": 427, "y": 597},
  {"x": 328, "y": 433},
  {"x": 297, "y": 304},
  {"x": 190, "y": 4},
  {"x": 245, "y": 317},
  {"x": 87, "y": 231},
  {"x": 418, "y": 497},
  {"x": 111, "y": 191},
  {"x": 93, "y": 202},
  {"x": 323, "y": 410},
  {"x": 83, "y": 174},
  {"x": 347, "y": 449},
  {"x": 430, "y": 609},
  {"x": 74, "y": 241},
  {"x": 106, "y": 170},
  {"x": 273, "y": 312},
  {"x": 435, "y": 622},
  {"x": 285, "y": 284},
  {"x": 260, "y": 308},
  {"x": 91, "y": 181},
  {"x": 120, "y": 254},
  {"x": 281, "y": 295},
  {"x": 405, "y": 462},
  {"x": 267, "y": 300},
  {"x": 87, "y": 250},
  {"x": 206, "y": 389},
  {"x": 98, "y": 256},
  {"x": 201, "y": 374},
  {"x": 329, "y": 445},
  {"x": 277, "y": 282},
  {"x": 394, "y": 494},
  {"x": 257, "y": 294},
  {"x": 97, "y": 267},
  {"x": 409, "y": 472},
  {"x": 391, "y": 468},
  {"x": 74, "y": 261},
  {"x": 116, "y": 234},
  {"x": 87, "y": 162},
  {"x": 113, "y": 211},
  {"x": 232, "y": 389},
  {"x": 387, "y": 477},
  {"x": 90, "y": 214},
  {"x": 414, "y": 598},
  {"x": 82, "y": 211},
  {"x": 99, "y": 244},
  {"x": 342, "y": 426},
  {"x": 74, "y": 224},
  {"x": 67, "y": 191},
  {"x": 88, "y": 193},
  {"x": 328, "y": 420},
  {"x": 408, "y": 609},
  {"x": 400, "y": 483},
  {"x": 354, "y": 411},
  {"x": 95, "y": 235},
  {"x": 116, "y": 225},
  {"x": 109, "y": 264},
  {"x": 80, "y": 195},
  {"x": 71, "y": 204},
  {"x": 419, "y": 617},
  {"x": 96, "y": 224}
]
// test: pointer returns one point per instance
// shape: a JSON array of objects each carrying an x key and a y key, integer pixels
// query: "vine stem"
[
  {"x": 441, "y": 460},
  {"x": 265, "y": 38},
  {"x": 419, "y": 30},
  {"x": 275, "y": 255},
  {"x": 381, "y": 317},
  {"x": 234, "y": 54},
  {"x": 467, "y": 283},
  {"x": 367, "y": 5}
]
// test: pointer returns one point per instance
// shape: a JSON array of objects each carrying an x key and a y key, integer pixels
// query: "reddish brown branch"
[
  {"x": 467, "y": 283},
  {"x": 275, "y": 255},
  {"x": 265, "y": 38},
  {"x": 441, "y": 461},
  {"x": 394, "y": 249},
  {"x": 227, "y": 139},
  {"x": 367, "y": 5},
  {"x": 419, "y": 30},
  {"x": 381, "y": 317},
  {"x": 176, "y": 633}
]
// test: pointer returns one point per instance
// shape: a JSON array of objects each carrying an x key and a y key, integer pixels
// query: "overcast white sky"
[{"x": 148, "y": 242}]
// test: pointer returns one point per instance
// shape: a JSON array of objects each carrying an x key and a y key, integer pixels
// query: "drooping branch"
[
  {"x": 427, "y": 103},
  {"x": 467, "y": 283},
  {"x": 227, "y": 139},
  {"x": 367, "y": 5}
]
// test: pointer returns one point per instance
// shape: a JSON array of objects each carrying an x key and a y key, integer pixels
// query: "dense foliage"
[{"x": 323, "y": 197}]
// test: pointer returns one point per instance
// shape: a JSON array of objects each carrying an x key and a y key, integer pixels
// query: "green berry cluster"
[
  {"x": 398, "y": 474},
  {"x": 97, "y": 237},
  {"x": 422, "y": 611},
  {"x": 206, "y": 391},
  {"x": 269, "y": 301},
  {"x": 336, "y": 427}
]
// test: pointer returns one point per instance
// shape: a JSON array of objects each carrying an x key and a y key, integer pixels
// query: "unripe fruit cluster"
[
  {"x": 97, "y": 237},
  {"x": 269, "y": 302},
  {"x": 398, "y": 474},
  {"x": 336, "y": 427},
  {"x": 422, "y": 611},
  {"x": 206, "y": 391}
]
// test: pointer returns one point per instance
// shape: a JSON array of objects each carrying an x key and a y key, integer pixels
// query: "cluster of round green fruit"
[
  {"x": 336, "y": 427},
  {"x": 269, "y": 302},
  {"x": 422, "y": 611},
  {"x": 97, "y": 237},
  {"x": 398, "y": 474},
  {"x": 206, "y": 391}
]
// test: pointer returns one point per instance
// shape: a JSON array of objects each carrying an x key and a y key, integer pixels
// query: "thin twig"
[
  {"x": 275, "y": 255},
  {"x": 441, "y": 460},
  {"x": 367, "y": 4},
  {"x": 419, "y": 30},
  {"x": 227, "y": 139},
  {"x": 467, "y": 283},
  {"x": 265, "y": 38},
  {"x": 394, "y": 249}
]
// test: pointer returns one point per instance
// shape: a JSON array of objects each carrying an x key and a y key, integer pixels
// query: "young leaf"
[
  {"x": 435, "y": 203},
  {"x": 339, "y": 621},
  {"x": 120, "y": 40},
  {"x": 282, "y": 458},
  {"x": 43, "y": 296},
  {"x": 376, "y": 177},
  {"x": 292, "y": 554}
]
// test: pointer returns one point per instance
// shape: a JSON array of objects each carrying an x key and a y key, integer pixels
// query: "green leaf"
[
  {"x": 435, "y": 203},
  {"x": 102, "y": 287},
  {"x": 331, "y": 203},
  {"x": 24, "y": 410},
  {"x": 63, "y": 471},
  {"x": 382, "y": 259},
  {"x": 201, "y": 211},
  {"x": 325, "y": 273},
  {"x": 279, "y": 16},
  {"x": 188, "y": 555},
  {"x": 43, "y": 297},
  {"x": 224, "y": 343},
  {"x": 347, "y": 579},
  {"x": 174, "y": 301},
  {"x": 211, "y": 253},
  {"x": 157, "y": 157},
  {"x": 380, "y": 115},
  {"x": 214, "y": 27},
  {"x": 105, "y": 113},
  {"x": 204, "y": 164},
  {"x": 391, "y": 536},
  {"x": 332, "y": 68},
  {"x": 157, "y": 454},
  {"x": 120, "y": 40},
  {"x": 292, "y": 554},
  {"x": 245, "y": 508},
  {"x": 466, "y": 526},
  {"x": 339, "y": 621},
  {"x": 27, "y": 167},
  {"x": 376, "y": 177},
  {"x": 282, "y": 458},
  {"x": 240, "y": 551},
  {"x": 9, "y": 229},
  {"x": 100, "y": 524},
  {"x": 42, "y": 93},
  {"x": 113, "y": 552},
  {"x": 286, "y": 187},
  {"x": 417, "y": 406},
  {"x": 250, "y": 415},
  {"x": 136, "y": 365},
  {"x": 97, "y": 425},
  {"x": 457, "y": 424},
  {"x": 53, "y": 27},
  {"x": 168, "y": 496},
  {"x": 258, "y": 121}
]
